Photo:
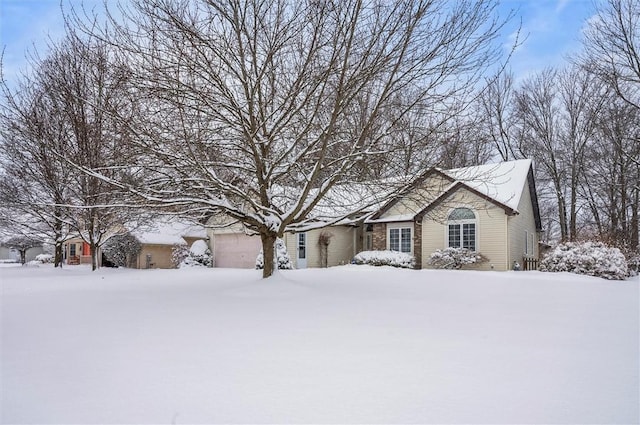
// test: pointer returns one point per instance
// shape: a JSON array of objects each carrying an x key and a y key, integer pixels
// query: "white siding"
[
  {"x": 415, "y": 201},
  {"x": 491, "y": 229},
  {"x": 341, "y": 249},
  {"x": 519, "y": 225}
]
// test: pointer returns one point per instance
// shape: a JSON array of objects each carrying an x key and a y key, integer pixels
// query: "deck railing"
[{"x": 529, "y": 263}]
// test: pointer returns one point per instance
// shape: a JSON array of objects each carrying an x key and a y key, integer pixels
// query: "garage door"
[{"x": 236, "y": 250}]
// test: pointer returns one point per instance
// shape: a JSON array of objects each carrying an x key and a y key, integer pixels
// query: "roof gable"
[
  {"x": 419, "y": 181},
  {"x": 456, "y": 187},
  {"x": 501, "y": 184}
]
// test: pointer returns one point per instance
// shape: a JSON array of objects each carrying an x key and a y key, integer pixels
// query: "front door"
[{"x": 301, "y": 260}]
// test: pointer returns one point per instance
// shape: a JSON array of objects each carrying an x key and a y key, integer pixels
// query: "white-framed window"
[
  {"x": 528, "y": 243},
  {"x": 461, "y": 229},
  {"x": 400, "y": 239},
  {"x": 302, "y": 245},
  {"x": 531, "y": 244}
]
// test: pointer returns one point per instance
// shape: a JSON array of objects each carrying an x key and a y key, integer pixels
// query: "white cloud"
[{"x": 561, "y": 5}]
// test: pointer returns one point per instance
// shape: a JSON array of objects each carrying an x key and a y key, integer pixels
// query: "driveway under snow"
[{"x": 342, "y": 345}]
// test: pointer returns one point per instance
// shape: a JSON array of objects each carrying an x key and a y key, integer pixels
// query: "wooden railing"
[{"x": 529, "y": 264}]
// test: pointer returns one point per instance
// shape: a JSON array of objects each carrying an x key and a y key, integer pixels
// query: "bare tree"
[
  {"x": 496, "y": 108},
  {"x": 610, "y": 187},
  {"x": 259, "y": 110},
  {"x": 22, "y": 244},
  {"x": 57, "y": 122},
  {"x": 460, "y": 144},
  {"x": 612, "y": 53},
  {"x": 558, "y": 113},
  {"x": 87, "y": 83},
  {"x": 538, "y": 111},
  {"x": 34, "y": 181},
  {"x": 612, "y": 47},
  {"x": 582, "y": 98}
]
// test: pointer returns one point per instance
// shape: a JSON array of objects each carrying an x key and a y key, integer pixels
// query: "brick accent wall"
[
  {"x": 379, "y": 236},
  {"x": 417, "y": 243},
  {"x": 380, "y": 240}
]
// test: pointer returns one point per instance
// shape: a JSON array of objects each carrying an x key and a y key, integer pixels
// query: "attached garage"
[{"x": 235, "y": 250}]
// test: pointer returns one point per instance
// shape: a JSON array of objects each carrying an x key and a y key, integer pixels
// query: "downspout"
[
  {"x": 508, "y": 244},
  {"x": 355, "y": 240}
]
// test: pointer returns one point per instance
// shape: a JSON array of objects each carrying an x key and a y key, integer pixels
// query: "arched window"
[{"x": 462, "y": 229}]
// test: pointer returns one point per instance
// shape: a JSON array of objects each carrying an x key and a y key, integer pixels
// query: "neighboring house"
[
  {"x": 492, "y": 209},
  {"x": 77, "y": 251},
  {"x": 159, "y": 239},
  {"x": 156, "y": 238}
]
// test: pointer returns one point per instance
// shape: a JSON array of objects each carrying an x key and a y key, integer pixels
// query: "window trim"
[
  {"x": 301, "y": 246},
  {"x": 460, "y": 224},
  {"x": 401, "y": 226}
]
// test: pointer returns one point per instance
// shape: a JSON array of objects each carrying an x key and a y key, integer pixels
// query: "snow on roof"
[
  {"x": 393, "y": 218},
  {"x": 168, "y": 231},
  {"x": 503, "y": 181}
]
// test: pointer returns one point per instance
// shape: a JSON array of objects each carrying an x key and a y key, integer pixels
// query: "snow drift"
[{"x": 348, "y": 344}]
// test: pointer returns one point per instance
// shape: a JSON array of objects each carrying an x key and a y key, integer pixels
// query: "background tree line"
[
  {"x": 581, "y": 125},
  {"x": 264, "y": 111}
]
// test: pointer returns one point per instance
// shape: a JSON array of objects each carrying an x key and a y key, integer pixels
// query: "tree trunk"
[
  {"x": 573, "y": 209},
  {"x": 324, "y": 255},
  {"x": 269, "y": 252},
  {"x": 562, "y": 214},
  {"x": 58, "y": 254},
  {"x": 634, "y": 242},
  {"x": 94, "y": 255}
]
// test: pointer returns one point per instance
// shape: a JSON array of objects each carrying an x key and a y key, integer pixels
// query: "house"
[
  {"x": 491, "y": 209},
  {"x": 232, "y": 246},
  {"x": 160, "y": 237},
  {"x": 157, "y": 239},
  {"x": 76, "y": 251}
]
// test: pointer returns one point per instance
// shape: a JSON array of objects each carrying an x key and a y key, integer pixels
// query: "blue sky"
[{"x": 552, "y": 29}]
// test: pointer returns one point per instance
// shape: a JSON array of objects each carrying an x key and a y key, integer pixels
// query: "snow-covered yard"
[{"x": 343, "y": 345}]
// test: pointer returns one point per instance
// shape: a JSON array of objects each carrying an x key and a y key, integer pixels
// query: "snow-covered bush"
[
  {"x": 122, "y": 250},
  {"x": 633, "y": 264},
  {"x": 178, "y": 253},
  {"x": 385, "y": 258},
  {"x": 199, "y": 255},
  {"x": 44, "y": 258},
  {"x": 588, "y": 258},
  {"x": 284, "y": 262},
  {"x": 455, "y": 258}
]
